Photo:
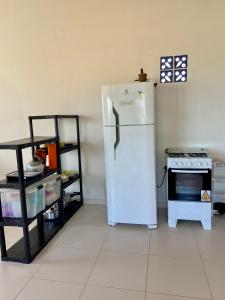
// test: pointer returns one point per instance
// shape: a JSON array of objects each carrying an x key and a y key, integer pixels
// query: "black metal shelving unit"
[
  {"x": 33, "y": 241},
  {"x": 73, "y": 206}
]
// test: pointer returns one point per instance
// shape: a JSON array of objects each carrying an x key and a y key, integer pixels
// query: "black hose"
[{"x": 164, "y": 175}]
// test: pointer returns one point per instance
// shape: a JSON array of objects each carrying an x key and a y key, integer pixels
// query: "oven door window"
[{"x": 187, "y": 186}]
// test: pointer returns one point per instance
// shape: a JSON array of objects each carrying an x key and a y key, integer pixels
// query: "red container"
[{"x": 52, "y": 156}]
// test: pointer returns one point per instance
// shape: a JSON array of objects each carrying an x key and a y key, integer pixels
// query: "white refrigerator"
[{"x": 129, "y": 142}]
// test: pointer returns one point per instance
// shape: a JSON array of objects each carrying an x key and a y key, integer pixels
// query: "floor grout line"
[
  {"x": 179, "y": 296},
  {"x": 117, "y": 288},
  {"x": 203, "y": 265},
  {"x": 100, "y": 251},
  {"x": 126, "y": 252},
  {"x": 177, "y": 231},
  {"x": 146, "y": 280},
  {"x": 20, "y": 291},
  {"x": 177, "y": 257},
  {"x": 32, "y": 276}
]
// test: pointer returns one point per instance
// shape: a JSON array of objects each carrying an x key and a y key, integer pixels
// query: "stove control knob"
[
  {"x": 206, "y": 164},
  {"x": 198, "y": 164}
]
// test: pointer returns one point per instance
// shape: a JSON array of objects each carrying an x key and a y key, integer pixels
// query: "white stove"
[{"x": 189, "y": 186}]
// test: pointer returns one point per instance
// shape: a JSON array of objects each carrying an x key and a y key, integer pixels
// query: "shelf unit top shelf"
[
  {"x": 70, "y": 181},
  {"x": 28, "y": 142},
  {"x": 53, "y": 116},
  {"x": 68, "y": 149}
]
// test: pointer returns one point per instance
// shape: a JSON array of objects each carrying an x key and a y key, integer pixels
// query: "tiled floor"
[{"x": 88, "y": 260}]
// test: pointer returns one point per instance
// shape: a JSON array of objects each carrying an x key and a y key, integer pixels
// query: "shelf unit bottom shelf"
[
  {"x": 71, "y": 209},
  {"x": 16, "y": 252}
]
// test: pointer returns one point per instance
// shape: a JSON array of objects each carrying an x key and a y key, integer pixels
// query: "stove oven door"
[{"x": 187, "y": 184}]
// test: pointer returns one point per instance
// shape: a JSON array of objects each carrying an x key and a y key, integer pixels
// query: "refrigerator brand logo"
[{"x": 126, "y": 102}]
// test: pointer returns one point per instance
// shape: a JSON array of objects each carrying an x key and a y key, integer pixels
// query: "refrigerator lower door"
[{"x": 130, "y": 175}]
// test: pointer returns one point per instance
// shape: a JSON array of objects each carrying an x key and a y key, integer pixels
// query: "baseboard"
[
  {"x": 162, "y": 204},
  {"x": 95, "y": 201},
  {"x": 103, "y": 202}
]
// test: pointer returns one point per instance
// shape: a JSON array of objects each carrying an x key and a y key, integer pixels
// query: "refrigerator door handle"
[{"x": 117, "y": 118}]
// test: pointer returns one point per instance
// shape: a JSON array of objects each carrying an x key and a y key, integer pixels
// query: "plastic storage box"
[
  {"x": 11, "y": 205},
  {"x": 52, "y": 188}
]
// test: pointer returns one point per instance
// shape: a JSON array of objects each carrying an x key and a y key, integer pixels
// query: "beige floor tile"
[
  {"x": 103, "y": 293},
  {"x": 174, "y": 244},
  {"x": 211, "y": 246},
  {"x": 86, "y": 208},
  {"x": 11, "y": 285},
  {"x": 50, "y": 290},
  {"x": 216, "y": 276},
  {"x": 86, "y": 237},
  {"x": 92, "y": 209},
  {"x": 68, "y": 265},
  {"x": 128, "y": 238},
  {"x": 167, "y": 297},
  {"x": 218, "y": 225},
  {"x": 120, "y": 270},
  {"x": 95, "y": 216},
  {"x": 13, "y": 234},
  {"x": 45, "y": 252},
  {"x": 19, "y": 269},
  {"x": 182, "y": 226},
  {"x": 181, "y": 277},
  {"x": 54, "y": 242}
]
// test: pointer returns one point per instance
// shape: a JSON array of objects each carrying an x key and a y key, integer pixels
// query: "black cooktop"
[{"x": 181, "y": 152}]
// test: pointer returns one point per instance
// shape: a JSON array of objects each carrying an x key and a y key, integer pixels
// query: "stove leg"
[
  {"x": 172, "y": 222},
  {"x": 206, "y": 225}
]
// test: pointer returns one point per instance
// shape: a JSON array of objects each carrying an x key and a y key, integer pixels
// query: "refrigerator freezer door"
[
  {"x": 130, "y": 175},
  {"x": 133, "y": 102}
]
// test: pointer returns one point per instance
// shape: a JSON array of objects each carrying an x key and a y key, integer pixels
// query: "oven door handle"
[{"x": 191, "y": 171}]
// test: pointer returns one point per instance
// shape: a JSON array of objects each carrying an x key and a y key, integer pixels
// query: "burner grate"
[
  {"x": 176, "y": 154},
  {"x": 197, "y": 154}
]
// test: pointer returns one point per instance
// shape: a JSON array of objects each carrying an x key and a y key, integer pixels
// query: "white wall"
[{"x": 56, "y": 54}]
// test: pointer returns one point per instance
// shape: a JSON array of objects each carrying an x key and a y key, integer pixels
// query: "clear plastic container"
[
  {"x": 11, "y": 205},
  {"x": 40, "y": 197},
  {"x": 52, "y": 188},
  {"x": 35, "y": 166}
]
